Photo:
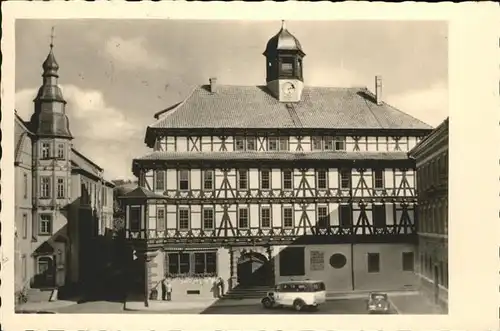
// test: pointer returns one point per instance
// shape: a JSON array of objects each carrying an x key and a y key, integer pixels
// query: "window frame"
[
  {"x": 342, "y": 141},
  {"x": 380, "y": 180},
  {"x": 251, "y": 139},
  {"x": 404, "y": 262},
  {"x": 187, "y": 180},
  {"x": 211, "y": 180},
  {"x": 247, "y": 209},
  {"x": 342, "y": 211},
  {"x": 276, "y": 141},
  {"x": 61, "y": 188},
  {"x": 61, "y": 151},
  {"x": 261, "y": 182},
  {"x": 284, "y": 180},
  {"x": 25, "y": 225},
  {"x": 270, "y": 217},
  {"x": 284, "y": 140},
  {"x": 179, "y": 220},
  {"x": 45, "y": 150},
  {"x": 237, "y": 140},
  {"x": 326, "y": 217},
  {"x": 45, "y": 188},
  {"x": 318, "y": 180},
  {"x": 161, "y": 220},
  {"x": 348, "y": 173},
  {"x": 314, "y": 141},
  {"x": 45, "y": 223},
  {"x": 284, "y": 219},
  {"x": 25, "y": 185},
  {"x": 246, "y": 175},
  {"x": 160, "y": 174},
  {"x": 204, "y": 219},
  {"x": 379, "y": 220}
]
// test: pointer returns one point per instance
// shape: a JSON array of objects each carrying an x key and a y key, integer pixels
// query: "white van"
[{"x": 297, "y": 294}]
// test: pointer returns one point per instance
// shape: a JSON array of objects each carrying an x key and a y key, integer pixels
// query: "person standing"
[
  {"x": 169, "y": 291},
  {"x": 164, "y": 289}
]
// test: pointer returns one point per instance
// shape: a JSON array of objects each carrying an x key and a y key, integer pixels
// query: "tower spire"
[
  {"x": 52, "y": 38},
  {"x": 283, "y": 25}
]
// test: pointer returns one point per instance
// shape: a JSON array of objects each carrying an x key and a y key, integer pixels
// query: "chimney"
[
  {"x": 378, "y": 90},
  {"x": 213, "y": 84}
]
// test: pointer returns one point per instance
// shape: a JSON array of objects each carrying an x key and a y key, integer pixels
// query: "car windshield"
[{"x": 379, "y": 296}]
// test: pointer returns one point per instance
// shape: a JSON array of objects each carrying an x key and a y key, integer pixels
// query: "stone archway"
[{"x": 254, "y": 269}]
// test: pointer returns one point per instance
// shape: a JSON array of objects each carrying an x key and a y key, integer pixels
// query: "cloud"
[
  {"x": 132, "y": 54},
  {"x": 103, "y": 131},
  {"x": 430, "y": 105}
]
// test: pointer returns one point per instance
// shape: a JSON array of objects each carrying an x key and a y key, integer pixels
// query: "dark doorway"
[
  {"x": 254, "y": 269},
  {"x": 436, "y": 284},
  {"x": 45, "y": 276}
]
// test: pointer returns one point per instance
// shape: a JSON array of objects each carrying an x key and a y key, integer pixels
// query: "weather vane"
[{"x": 52, "y": 38}]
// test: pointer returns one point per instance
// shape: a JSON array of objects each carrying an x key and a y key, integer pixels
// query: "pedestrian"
[
  {"x": 220, "y": 285},
  {"x": 169, "y": 291},
  {"x": 164, "y": 289}
]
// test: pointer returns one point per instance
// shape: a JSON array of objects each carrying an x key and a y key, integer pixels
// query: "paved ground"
[{"x": 342, "y": 306}]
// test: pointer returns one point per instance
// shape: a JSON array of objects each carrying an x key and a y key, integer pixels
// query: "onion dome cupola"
[
  {"x": 284, "y": 75},
  {"x": 49, "y": 118}
]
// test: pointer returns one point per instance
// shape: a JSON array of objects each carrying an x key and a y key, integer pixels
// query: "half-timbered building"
[
  {"x": 431, "y": 156},
  {"x": 259, "y": 184}
]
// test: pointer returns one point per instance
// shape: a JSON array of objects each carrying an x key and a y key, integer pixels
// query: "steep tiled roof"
[
  {"x": 286, "y": 156},
  {"x": 21, "y": 133},
  {"x": 254, "y": 107},
  {"x": 140, "y": 193}
]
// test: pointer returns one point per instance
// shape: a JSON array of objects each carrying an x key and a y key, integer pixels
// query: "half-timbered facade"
[
  {"x": 258, "y": 184},
  {"x": 431, "y": 157}
]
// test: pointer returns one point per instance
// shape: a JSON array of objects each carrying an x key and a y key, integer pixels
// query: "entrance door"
[
  {"x": 254, "y": 270},
  {"x": 436, "y": 284},
  {"x": 45, "y": 272}
]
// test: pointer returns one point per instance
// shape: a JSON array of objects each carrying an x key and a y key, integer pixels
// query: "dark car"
[{"x": 378, "y": 303}]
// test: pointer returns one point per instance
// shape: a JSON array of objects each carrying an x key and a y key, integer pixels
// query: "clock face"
[{"x": 288, "y": 88}]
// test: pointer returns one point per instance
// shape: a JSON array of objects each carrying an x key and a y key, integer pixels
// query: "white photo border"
[{"x": 474, "y": 108}]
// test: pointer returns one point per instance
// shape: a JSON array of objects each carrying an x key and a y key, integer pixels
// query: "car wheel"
[
  {"x": 267, "y": 303},
  {"x": 298, "y": 305}
]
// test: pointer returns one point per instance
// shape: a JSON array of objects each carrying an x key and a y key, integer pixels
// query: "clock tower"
[{"x": 284, "y": 66}]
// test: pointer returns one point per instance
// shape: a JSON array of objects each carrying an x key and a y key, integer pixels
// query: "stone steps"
[{"x": 248, "y": 292}]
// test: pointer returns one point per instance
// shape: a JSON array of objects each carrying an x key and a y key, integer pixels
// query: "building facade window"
[
  {"x": 288, "y": 217},
  {"x": 25, "y": 185},
  {"x": 408, "y": 261},
  {"x": 61, "y": 151},
  {"x": 45, "y": 187},
  {"x": 243, "y": 217},
  {"x": 378, "y": 178},
  {"x": 183, "y": 219},
  {"x": 208, "y": 218},
  {"x": 284, "y": 144},
  {"x": 243, "y": 179},
  {"x": 373, "y": 262},
  {"x": 25, "y": 226},
  {"x": 340, "y": 144},
  {"x": 329, "y": 143},
  {"x": 45, "y": 227},
  {"x": 160, "y": 180},
  {"x": 24, "y": 266},
  {"x": 316, "y": 143},
  {"x": 208, "y": 180},
  {"x": 45, "y": 150},
  {"x": 184, "y": 180},
  {"x": 135, "y": 219},
  {"x": 160, "y": 218},
  {"x": 265, "y": 217},
  {"x": 251, "y": 144},
  {"x": 379, "y": 216},
  {"x": 178, "y": 263},
  {"x": 323, "y": 218},
  {"x": 345, "y": 216},
  {"x": 272, "y": 144},
  {"x": 265, "y": 179},
  {"x": 239, "y": 143},
  {"x": 61, "y": 188},
  {"x": 345, "y": 178},
  {"x": 321, "y": 179},
  {"x": 205, "y": 263},
  {"x": 287, "y": 180}
]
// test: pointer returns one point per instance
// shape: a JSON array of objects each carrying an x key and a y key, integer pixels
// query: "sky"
[{"x": 116, "y": 74}]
